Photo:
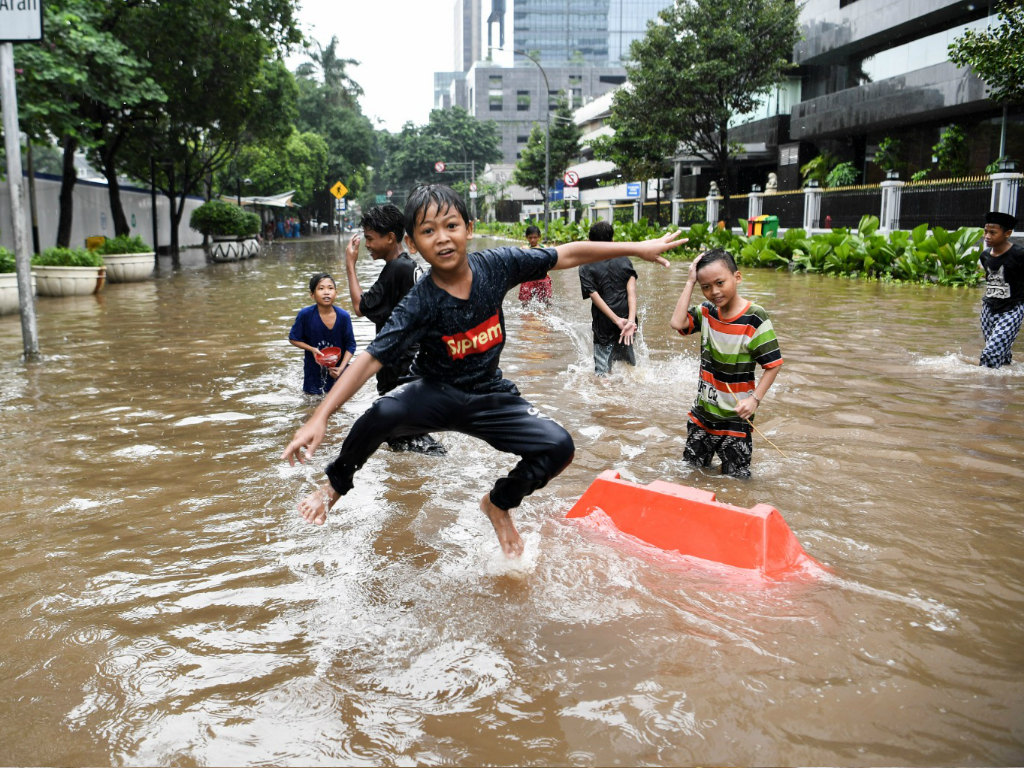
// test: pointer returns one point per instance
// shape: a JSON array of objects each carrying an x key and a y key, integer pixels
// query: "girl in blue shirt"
[{"x": 319, "y": 326}]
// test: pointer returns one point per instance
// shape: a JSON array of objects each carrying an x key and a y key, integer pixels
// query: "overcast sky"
[{"x": 399, "y": 44}]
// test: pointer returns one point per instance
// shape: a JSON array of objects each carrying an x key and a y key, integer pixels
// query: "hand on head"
[{"x": 352, "y": 249}]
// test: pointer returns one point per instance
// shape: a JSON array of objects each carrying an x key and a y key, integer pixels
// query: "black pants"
[
  {"x": 735, "y": 452},
  {"x": 504, "y": 421}
]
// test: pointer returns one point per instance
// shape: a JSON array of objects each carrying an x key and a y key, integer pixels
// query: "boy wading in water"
[
  {"x": 383, "y": 227},
  {"x": 734, "y": 335},
  {"x": 611, "y": 287},
  {"x": 454, "y": 313},
  {"x": 1002, "y": 309}
]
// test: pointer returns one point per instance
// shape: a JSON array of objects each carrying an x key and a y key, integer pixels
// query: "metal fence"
[
  {"x": 948, "y": 204},
  {"x": 844, "y": 206},
  {"x": 650, "y": 210},
  {"x": 693, "y": 210},
  {"x": 788, "y": 206}
]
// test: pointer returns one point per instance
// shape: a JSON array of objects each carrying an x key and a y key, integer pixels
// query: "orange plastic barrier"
[{"x": 689, "y": 520}]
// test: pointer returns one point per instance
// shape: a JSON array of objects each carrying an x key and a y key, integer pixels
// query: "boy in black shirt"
[
  {"x": 611, "y": 287},
  {"x": 383, "y": 227},
  {"x": 455, "y": 315},
  {"x": 1002, "y": 309}
]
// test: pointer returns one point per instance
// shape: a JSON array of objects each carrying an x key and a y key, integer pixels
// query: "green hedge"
[
  {"x": 67, "y": 257},
  {"x": 6, "y": 260},
  {"x": 943, "y": 257},
  {"x": 124, "y": 244},
  {"x": 222, "y": 219}
]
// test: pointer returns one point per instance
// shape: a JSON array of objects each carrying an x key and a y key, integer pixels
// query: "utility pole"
[{"x": 22, "y": 260}]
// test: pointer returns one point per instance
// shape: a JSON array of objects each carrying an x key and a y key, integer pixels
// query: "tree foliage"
[
  {"x": 997, "y": 54},
  {"x": 564, "y": 149},
  {"x": 704, "y": 62},
  {"x": 299, "y": 163}
]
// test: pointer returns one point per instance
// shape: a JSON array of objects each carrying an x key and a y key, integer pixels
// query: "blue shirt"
[
  {"x": 460, "y": 340},
  {"x": 310, "y": 329}
]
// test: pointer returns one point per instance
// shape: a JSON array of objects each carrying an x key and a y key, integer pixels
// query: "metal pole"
[
  {"x": 1002, "y": 135},
  {"x": 152, "y": 204},
  {"x": 32, "y": 196},
  {"x": 22, "y": 260},
  {"x": 472, "y": 180}
]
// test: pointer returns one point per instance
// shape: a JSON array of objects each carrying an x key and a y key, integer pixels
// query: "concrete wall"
[{"x": 92, "y": 214}]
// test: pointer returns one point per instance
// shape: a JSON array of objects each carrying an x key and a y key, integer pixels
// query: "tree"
[
  {"x": 299, "y": 163},
  {"x": 217, "y": 62},
  {"x": 703, "y": 63},
  {"x": 997, "y": 57},
  {"x": 638, "y": 149},
  {"x": 564, "y": 149},
  {"x": 79, "y": 87},
  {"x": 952, "y": 153}
]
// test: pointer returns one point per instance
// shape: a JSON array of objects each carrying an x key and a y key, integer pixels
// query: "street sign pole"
[{"x": 12, "y": 143}]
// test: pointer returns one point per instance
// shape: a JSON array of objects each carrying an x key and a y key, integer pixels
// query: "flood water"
[{"x": 162, "y": 602}]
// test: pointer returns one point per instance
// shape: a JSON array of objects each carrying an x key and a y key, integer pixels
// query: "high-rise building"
[{"x": 468, "y": 31}]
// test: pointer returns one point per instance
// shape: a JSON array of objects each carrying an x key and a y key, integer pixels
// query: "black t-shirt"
[
  {"x": 460, "y": 340},
  {"x": 1004, "y": 278},
  {"x": 394, "y": 281},
  {"x": 609, "y": 279}
]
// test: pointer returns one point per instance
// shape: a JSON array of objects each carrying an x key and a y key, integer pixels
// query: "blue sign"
[
  {"x": 556, "y": 193},
  {"x": 633, "y": 189}
]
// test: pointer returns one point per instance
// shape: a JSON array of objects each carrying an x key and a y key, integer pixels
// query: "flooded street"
[{"x": 163, "y": 603}]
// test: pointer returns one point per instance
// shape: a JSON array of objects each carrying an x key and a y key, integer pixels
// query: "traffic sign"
[
  {"x": 633, "y": 189},
  {"x": 472, "y": 186},
  {"x": 21, "y": 24},
  {"x": 339, "y": 190},
  {"x": 381, "y": 199},
  {"x": 389, "y": 193},
  {"x": 571, "y": 178},
  {"x": 571, "y": 193},
  {"x": 439, "y": 166}
]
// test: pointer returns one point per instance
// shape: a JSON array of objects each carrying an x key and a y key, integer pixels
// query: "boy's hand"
[
  {"x": 627, "y": 329},
  {"x": 308, "y": 436},
  {"x": 651, "y": 250},
  {"x": 352, "y": 249},
  {"x": 745, "y": 408},
  {"x": 335, "y": 372},
  {"x": 692, "y": 275}
]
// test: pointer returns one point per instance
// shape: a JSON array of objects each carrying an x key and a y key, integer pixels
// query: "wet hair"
[
  {"x": 533, "y": 229},
  {"x": 314, "y": 281},
  {"x": 383, "y": 219},
  {"x": 602, "y": 232},
  {"x": 423, "y": 196},
  {"x": 717, "y": 254}
]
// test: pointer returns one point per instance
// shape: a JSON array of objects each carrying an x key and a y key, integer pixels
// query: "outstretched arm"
[
  {"x": 355, "y": 291},
  {"x": 311, "y": 434},
  {"x": 587, "y": 251}
]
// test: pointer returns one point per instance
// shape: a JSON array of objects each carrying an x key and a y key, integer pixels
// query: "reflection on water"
[{"x": 163, "y": 603}]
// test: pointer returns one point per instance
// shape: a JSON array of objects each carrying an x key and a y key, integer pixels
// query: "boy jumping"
[
  {"x": 454, "y": 313},
  {"x": 611, "y": 287},
  {"x": 734, "y": 335},
  {"x": 1002, "y": 309}
]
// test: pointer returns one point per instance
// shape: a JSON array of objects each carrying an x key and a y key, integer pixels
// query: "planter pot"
[
  {"x": 129, "y": 267},
  {"x": 69, "y": 281},
  {"x": 9, "y": 292},
  {"x": 233, "y": 248}
]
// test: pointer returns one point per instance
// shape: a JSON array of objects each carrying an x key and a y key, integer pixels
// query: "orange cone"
[{"x": 690, "y": 521}]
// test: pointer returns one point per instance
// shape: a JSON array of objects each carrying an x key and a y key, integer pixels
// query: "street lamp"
[
  {"x": 547, "y": 131},
  {"x": 238, "y": 189}
]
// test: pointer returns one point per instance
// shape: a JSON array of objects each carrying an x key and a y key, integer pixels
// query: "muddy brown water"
[{"x": 162, "y": 603}]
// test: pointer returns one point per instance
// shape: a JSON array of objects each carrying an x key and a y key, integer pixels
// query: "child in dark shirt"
[
  {"x": 455, "y": 315},
  {"x": 1002, "y": 309},
  {"x": 383, "y": 227},
  {"x": 611, "y": 287},
  {"x": 322, "y": 325}
]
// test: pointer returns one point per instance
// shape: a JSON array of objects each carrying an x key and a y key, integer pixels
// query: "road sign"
[
  {"x": 389, "y": 193},
  {"x": 571, "y": 193},
  {"x": 340, "y": 205},
  {"x": 439, "y": 166},
  {"x": 339, "y": 190},
  {"x": 22, "y": 23},
  {"x": 472, "y": 186},
  {"x": 571, "y": 178},
  {"x": 381, "y": 199},
  {"x": 633, "y": 189}
]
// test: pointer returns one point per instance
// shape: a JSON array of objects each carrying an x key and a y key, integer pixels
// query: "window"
[
  {"x": 522, "y": 101},
  {"x": 494, "y": 81},
  {"x": 521, "y": 139}
]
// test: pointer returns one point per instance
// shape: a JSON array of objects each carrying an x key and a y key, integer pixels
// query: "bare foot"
[
  {"x": 508, "y": 536},
  {"x": 314, "y": 507}
]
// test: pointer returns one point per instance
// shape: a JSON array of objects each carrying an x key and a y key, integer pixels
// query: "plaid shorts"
[{"x": 1000, "y": 330}]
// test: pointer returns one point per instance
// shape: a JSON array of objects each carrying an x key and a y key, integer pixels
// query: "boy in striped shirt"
[{"x": 734, "y": 336}]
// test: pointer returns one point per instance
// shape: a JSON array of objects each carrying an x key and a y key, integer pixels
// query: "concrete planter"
[
  {"x": 9, "y": 292},
  {"x": 129, "y": 267},
  {"x": 233, "y": 248},
  {"x": 69, "y": 281}
]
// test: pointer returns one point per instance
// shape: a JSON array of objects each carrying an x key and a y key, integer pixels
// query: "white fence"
[{"x": 92, "y": 214}]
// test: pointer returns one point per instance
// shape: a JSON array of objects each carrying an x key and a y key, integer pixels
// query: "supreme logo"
[{"x": 475, "y": 340}]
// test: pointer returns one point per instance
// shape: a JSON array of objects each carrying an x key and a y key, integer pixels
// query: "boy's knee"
[{"x": 563, "y": 451}]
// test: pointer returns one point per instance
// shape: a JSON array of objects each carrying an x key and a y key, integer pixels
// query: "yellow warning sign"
[{"x": 339, "y": 190}]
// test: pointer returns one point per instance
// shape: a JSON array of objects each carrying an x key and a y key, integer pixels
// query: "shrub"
[
  {"x": 67, "y": 257},
  {"x": 843, "y": 175},
  {"x": 124, "y": 244},
  {"x": 218, "y": 218},
  {"x": 6, "y": 260},
  {"x": 250, "y": 224}
]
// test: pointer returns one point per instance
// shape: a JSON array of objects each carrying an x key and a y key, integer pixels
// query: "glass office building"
[{"x": 587, "y": 32}]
